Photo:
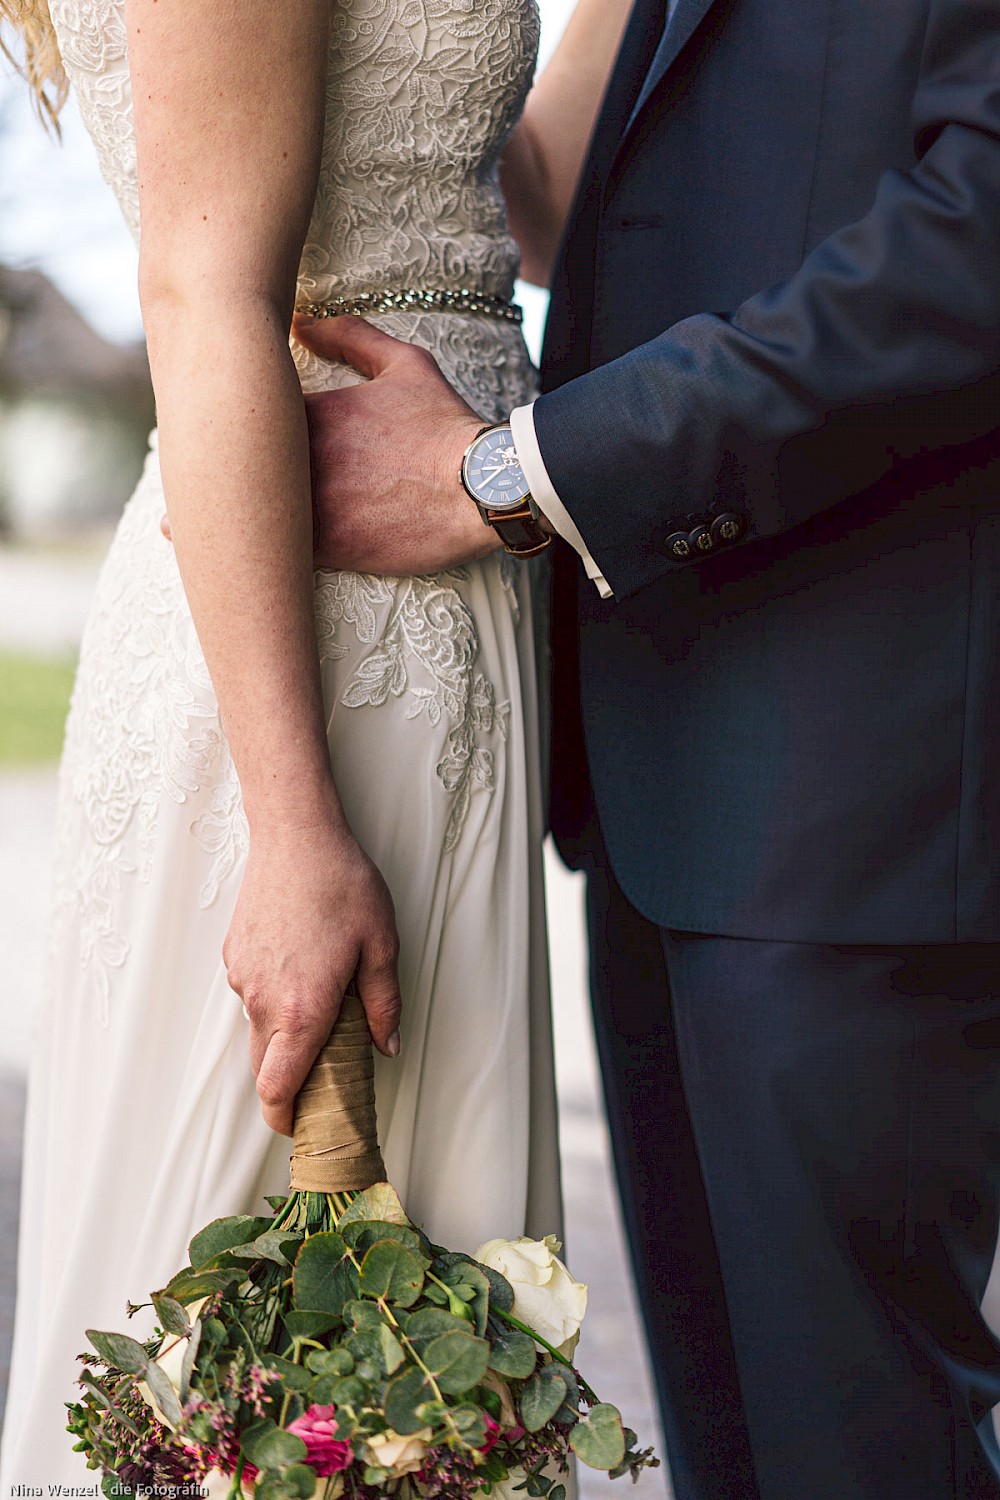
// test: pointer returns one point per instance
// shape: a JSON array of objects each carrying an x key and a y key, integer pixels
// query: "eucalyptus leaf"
[
  {"x": 330, "y": 1361},
  {"x": 276, "y": 1203},
  {"x": 119, "y": 1350},
  {"x": 458, "y": 1361},
  {"x": 513, "y": 1355},
  {"x": 403, "y": 1396},
  {"x": 391, "y": 1272},
  {"x": 324, "y": 1278},
  {"x": 391, "y": 1350},
  {"x": 501, "y": 1291},
  {"x": 173, "y": 1318},
  {"x": 379, "y": 1203},
  {"x": 466, "y": 1278},
  {"x": 471, "y": 1424},
  {"x": 430, "y": 1322},
  {"x": 164, "y": 1394},
  {"x": 541, "y": 1398},
  {"x": 271, "y": 1447},
  {"x": 189, "y": 1286},
  {"x": 223, "y": 1234},
  {"x": 361, "y": 1235},
  {"x": 308, "y": 1325},
  {"x": 188, "y": 1362},
  {"x": 299, "y": 1480},
  {"x": 293, "y": 1375},
  {"x": 267, "y": 1246},
  {"x": 296, "y": 1482},
  {"x": 363, "y": 1315},
  {"x": 348, "y": 1390},
  {"x": 321, "y": 1389},
  {"x": 599, "y": 1440}
]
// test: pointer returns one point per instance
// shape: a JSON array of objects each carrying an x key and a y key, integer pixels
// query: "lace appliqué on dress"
[
  {"x": 427, "y": 647},
  {"x": 143, "y": 726}
]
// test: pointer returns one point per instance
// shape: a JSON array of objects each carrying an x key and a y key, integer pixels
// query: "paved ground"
[{"x": 42, "y": 602}]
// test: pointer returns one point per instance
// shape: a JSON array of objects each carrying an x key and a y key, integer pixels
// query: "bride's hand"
[{"x": 312, "y": 913}]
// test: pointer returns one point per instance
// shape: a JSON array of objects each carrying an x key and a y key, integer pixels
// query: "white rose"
[
  {"x": 400, "y": 1455},
  {"x": 546, "y": 1297}
]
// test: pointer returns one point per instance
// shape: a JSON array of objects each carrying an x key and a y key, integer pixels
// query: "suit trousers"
[{"x": 807, "y": 1141}]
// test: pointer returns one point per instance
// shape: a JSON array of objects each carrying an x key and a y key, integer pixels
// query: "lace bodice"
[{"x": 421, "y": 97}]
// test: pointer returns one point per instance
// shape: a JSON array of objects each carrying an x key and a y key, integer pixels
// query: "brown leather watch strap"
[{"x": 518, "y": 530}]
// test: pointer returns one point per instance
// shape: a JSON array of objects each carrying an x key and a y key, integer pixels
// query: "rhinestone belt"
[{"x": 459, "y": 299}]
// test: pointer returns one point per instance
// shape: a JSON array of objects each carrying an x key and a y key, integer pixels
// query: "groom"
[{"x": 770, "y": 427}]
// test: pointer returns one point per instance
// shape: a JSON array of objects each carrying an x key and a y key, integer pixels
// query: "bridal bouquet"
[{"x": 330, "y": 1349}]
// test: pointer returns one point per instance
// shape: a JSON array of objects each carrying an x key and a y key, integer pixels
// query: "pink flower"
[
  {"x": 492, "y": 1436},
  {"x": 324, "y": 1453}
]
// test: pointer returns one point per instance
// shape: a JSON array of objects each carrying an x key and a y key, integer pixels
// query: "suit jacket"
[{"x": 772, "y": 407}]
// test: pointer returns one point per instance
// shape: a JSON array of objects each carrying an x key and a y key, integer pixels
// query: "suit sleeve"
[{"x": 883, "y": 347}]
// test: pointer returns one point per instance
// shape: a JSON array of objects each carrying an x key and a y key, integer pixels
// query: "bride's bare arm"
[
  {"x": 229, "y": 112},
  {"x": 544, "y": 158}
]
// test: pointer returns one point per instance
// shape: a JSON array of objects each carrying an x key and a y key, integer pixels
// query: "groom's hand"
[{"x": 387, "y": 456}]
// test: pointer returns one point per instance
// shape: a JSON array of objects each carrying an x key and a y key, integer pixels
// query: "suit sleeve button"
[
  {"x": 727, "y": 527},
  {"x": 678, "y": 545},
  {"x": 701, "y": 540}
]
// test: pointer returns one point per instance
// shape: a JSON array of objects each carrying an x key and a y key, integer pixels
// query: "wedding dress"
[{"x": 143, "y": 1119}]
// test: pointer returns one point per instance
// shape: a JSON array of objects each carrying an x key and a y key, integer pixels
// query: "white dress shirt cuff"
[{"x": 522, "y": 426}]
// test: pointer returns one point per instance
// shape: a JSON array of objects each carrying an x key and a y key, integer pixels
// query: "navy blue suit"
[{"x": 772, "y": 407}]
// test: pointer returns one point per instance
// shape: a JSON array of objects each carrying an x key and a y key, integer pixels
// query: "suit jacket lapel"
[
  {"x": 686, "y": 19},
  {"x": 636, "y": 55}
]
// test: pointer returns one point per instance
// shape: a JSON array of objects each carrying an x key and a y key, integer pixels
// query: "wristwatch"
[{"x": 493, "y": 477}]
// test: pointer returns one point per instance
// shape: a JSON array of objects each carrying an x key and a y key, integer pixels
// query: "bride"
[{"x": 236, "y": 805}]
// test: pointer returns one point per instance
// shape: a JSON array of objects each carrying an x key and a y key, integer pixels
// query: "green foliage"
[
  {"x": 599, "y": 1440},
  {"x": 391, "y": 1272},
  {"x": 190, "y": 1286},
  {"x": 34, "y": 697},
  {"x": 513, "y": 1354},
  {"x": 119, "y": 1350},
  {"x": 324, "y": 1278},
  {"x": 458, "y": 1361},
  {"x": 378, "y": 1204},
  {"x": 404, "y": 1396},
  {"x": 221, "y": 1235},
  {"x": 361, "y": 1236},
  {"x": 542, "y": 1397},
  {"x": 308, "y": 1325},
  {"x": 173, "y": 1318}
]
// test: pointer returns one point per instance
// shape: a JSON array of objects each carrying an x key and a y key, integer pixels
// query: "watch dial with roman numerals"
[{"x": 493, "y": 473}]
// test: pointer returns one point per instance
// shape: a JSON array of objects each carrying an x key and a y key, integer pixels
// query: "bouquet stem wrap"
[{"x": 335, "y": 1131}]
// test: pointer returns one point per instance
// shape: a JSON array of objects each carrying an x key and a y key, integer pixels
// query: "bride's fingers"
[
  {"x": 378, "y": 988},
  {"x": 283, "y": 1070},
  {"x": 348, "y": 340},
  {"x": 165, "y": 527}
]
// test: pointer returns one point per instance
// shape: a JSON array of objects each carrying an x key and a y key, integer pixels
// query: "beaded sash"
[{"x": 458, "y": 299}]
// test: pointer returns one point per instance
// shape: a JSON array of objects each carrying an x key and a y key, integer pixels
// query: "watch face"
[{"x": 493, "y": 473}]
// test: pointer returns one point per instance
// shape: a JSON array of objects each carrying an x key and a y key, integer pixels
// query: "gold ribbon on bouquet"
[{"x": 335, "y": 1129}]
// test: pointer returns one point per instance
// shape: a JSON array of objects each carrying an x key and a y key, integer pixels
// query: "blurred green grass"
[{"x": 34, "y": 697}]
